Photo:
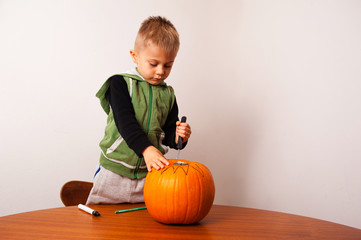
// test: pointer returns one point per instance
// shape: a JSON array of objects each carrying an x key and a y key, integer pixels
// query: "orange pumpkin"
[{"x": 181, "y": 193}]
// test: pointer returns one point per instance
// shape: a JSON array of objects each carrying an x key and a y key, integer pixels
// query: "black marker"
[{"x": 88, "y": 210}]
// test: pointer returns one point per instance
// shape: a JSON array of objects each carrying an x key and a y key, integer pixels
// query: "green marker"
[{"x": 130, "y": 209}]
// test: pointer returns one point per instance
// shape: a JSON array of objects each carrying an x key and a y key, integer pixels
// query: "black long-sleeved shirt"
[{"x": 126, "y": 122}]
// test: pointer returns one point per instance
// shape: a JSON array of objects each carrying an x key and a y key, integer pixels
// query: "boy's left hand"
[{"x": 183, "y": 130}]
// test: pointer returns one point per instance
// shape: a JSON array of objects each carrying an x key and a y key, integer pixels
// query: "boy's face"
[{"x": 153, "y": 63}]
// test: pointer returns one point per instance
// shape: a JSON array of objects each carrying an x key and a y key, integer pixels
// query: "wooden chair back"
[{"x": 75, "y": 192}]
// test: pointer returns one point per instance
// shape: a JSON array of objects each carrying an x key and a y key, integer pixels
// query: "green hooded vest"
[{"x": 152, "y": 104}]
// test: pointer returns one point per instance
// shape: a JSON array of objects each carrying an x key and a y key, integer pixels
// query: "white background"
[{"x": 271, "y": 90}]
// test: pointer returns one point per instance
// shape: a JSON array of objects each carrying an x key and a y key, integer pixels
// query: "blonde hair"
[{"x": 159, "y": 31}]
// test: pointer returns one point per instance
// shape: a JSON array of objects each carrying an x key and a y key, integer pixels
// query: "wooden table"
[{"x": 222, "y": 222}]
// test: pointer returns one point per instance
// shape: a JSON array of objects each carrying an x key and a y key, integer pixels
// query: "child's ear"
[{"x": 134, "y": 56}]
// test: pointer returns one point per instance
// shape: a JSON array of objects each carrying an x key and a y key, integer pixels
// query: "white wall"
[{"x": 270, "y": 88}]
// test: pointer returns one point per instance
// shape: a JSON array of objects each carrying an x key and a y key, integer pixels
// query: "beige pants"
[{"x": 112, "y": 188}]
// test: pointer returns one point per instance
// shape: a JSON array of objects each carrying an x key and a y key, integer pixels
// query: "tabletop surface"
[{"x": 222, "y": 222}]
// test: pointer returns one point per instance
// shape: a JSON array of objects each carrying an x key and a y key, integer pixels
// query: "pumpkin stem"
[{"x": 180, "y": 163}]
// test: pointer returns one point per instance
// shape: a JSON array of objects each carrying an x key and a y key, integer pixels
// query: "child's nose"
[{"x": 160, "y": 70}]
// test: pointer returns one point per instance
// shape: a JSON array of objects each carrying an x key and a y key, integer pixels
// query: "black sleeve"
[
  {"x": 124, "y": 115},
  {"x": 170, "y": 127}
]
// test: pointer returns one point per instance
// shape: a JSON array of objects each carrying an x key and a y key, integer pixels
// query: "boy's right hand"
[{"x": 154, "y": 158}]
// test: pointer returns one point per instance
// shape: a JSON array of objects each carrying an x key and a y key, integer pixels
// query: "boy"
[{"x": 142, "y": 117}]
